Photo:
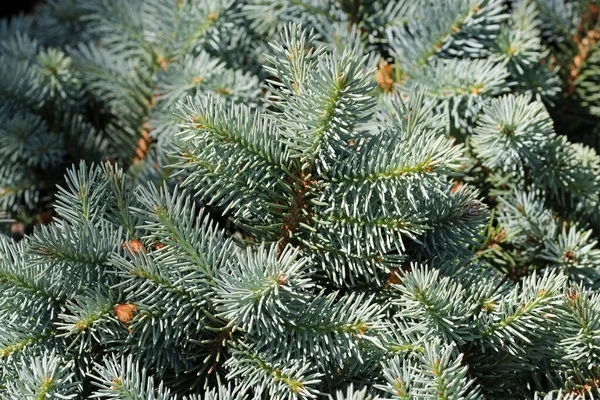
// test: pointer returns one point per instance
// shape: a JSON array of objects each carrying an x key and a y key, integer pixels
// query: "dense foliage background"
[{"x": 300, "y": 199}]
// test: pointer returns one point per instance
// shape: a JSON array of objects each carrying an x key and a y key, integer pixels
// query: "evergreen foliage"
[
  {"x": 98, "y": 80},
  {"x": 300, "y": 199}
]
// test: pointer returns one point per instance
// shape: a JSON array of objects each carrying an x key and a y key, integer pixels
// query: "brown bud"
[
  {"x": 116, "y": 382},
  {"x": 124, "y": 312},
  {"x": 134, "y": 246},
  {"x": 282, "y": 280},
  {"x": 17, "y": 229},
  {"x": 456, "y": 186},
  {"x": 46, "y": 217},
  {"x": 570, "y": 255},
  {"x": 385, "y": 77},
  {"x": 572, "y": 293}
]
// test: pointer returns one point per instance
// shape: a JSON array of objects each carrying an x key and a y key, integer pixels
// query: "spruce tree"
[{"x": 300, "y": 199}]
